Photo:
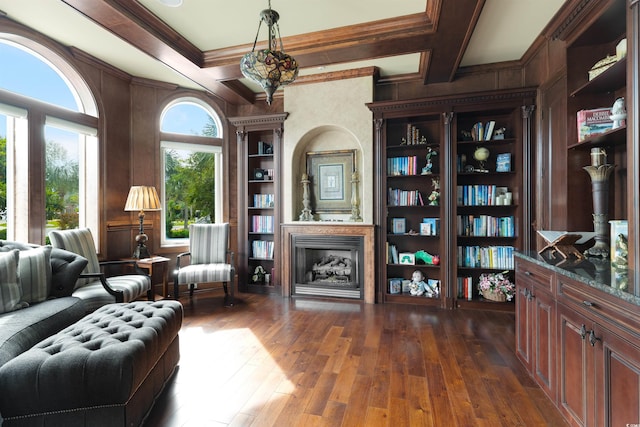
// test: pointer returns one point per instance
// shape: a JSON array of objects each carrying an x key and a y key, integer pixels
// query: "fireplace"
[
  {"x": 325, "y": 259},
  {"x": 326, "y": 265}
]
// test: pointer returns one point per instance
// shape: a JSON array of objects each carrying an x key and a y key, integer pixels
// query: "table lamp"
[{"x": 142, "y": 198}]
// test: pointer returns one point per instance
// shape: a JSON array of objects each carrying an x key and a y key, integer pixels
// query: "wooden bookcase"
[
  {"x": 409, "y": 183},
  {"x": 259, "y": 191},
  {"x": 584, "y": 49},
  {"x": 491, "y": 197},
  {"x": 445, "y": 122}
]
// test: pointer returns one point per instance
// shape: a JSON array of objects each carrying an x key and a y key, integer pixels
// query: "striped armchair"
[
  {"x": 93, "y": 286},
  {"x": 210, "y": 260}
]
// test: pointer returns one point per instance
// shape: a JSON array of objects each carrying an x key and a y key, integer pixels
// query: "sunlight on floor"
[{"x": 217, "y": 377}]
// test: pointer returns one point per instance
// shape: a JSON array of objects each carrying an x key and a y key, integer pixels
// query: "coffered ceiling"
[{"x": 199, "y": 43}]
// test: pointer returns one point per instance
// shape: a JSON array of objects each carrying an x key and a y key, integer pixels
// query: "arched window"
[
  {"x": 191, "y": 144},
  {"x": 48, "y": 143}
]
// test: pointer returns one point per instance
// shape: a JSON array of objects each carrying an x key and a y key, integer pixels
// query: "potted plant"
[{"x": 496, "y": 286}]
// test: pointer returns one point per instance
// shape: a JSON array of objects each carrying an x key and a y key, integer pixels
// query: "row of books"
[
  {"x": 496, "y": 257},
  {"x": 413, "y": 136},
  {"x": 486, "y": 226},
  {"x": 465, "y": 288},
  {"x": 263, "y": 200},
  {"x": 402, "y": 166},
  {"x": 480, "y": 195},
  {"x": 399, "y": 285},
  {"x": 262, "y": 249},
  {"x": 398, "y": 197},
  {"x": 483, "y": 132},
  {"x": 262, "y": 223}
]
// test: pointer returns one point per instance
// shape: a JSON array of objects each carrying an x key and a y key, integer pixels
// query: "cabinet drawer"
[
  {"x": 532, "y": 274},
  {"x": 599, "y": 305}
]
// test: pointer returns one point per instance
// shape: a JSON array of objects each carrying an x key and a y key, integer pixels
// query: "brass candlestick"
[{"x": 600, "y": 171}]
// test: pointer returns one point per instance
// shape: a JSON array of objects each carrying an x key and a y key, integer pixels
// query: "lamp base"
[{"x": 141, "y": 252}]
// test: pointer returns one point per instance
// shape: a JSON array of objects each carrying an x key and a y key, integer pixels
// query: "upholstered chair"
[
  {"x": 210, "y": 260},
  {"x": 93, "y": 286}
]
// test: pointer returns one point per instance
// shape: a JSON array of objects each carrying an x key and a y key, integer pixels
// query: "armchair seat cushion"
[
  {"x": 205, "y": 273},
  {"x": 94, "y": 295}
]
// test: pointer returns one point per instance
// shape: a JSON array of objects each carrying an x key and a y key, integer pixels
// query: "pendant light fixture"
[{"x": 270, "y": 67}]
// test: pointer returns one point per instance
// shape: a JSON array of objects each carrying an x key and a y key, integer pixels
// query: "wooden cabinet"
[
  {"x": 259, "y": 191},
  {"x": 536, "y": 323},
  {"x": 428, "y": 203},
  {"x": 581, "y": 344}
]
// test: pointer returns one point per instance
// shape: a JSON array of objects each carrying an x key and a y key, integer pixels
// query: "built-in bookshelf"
[
  {"x": 462, "y": 212},
  {"x": 489, "y": 196},
  {"x": 412, "y": 214},
  {"x": 259, "y": 190}
]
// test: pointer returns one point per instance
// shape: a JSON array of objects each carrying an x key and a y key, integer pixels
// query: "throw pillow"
[
  {"x": 66, "y": 268},
  {"x": 34, "y": 271},
  {"x": 9, "y": 282}
]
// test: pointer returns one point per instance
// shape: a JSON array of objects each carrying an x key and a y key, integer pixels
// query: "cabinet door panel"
[
  {"x": 524, "y": 327},
  {"x": 618, "y": 381},
  {"x": 544, "y": 345},
  {"x": 574, "y": 370}
]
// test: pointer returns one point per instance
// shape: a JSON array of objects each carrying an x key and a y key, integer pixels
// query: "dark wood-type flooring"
[{"x": 270, "y": 361}]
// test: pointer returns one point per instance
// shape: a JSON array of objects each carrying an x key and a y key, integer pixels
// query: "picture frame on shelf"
[
  {"x": 330, "y": 173},
  {"x": 407, "y": 258},
  {"x": 399, "y": 225},
  {"x": 259, "y": 174}
]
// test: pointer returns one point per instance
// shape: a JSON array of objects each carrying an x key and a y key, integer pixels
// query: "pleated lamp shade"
[{"x": 142, "y": 198}]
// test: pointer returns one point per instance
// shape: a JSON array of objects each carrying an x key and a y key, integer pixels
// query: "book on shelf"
[
  {"x": 262, "y": 249},
  {"x": 262, "y": 223},
  {"x": 477, "y": 131},
  {"x": 503, "y": 162},
  {"x": 399, "y": 166},
  {"x": 392, "y": 254},
  {"x": 488, "y": 129},
  {"x": 263, "y": 200},
  {"x": 430, "y": 226},
  {"x": 398, "y": 197},
  {"x": 465, "y": 288},
  {"x": 395, "y": 285},
  {"x": 485, "y": 226},
  {"x": 494, "y": 257},
  {"x": 399, "y": 225},
  {"x": 593, "y": 122}
]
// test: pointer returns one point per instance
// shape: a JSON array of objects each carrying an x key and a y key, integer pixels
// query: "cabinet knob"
[
  {"x": 583, "y": 332},
  {"x": 527, "y": 273},
  {"x": 587, "y": 303}
]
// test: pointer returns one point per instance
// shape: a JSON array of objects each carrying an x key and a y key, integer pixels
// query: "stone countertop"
[{"x": 595, "y": 272}]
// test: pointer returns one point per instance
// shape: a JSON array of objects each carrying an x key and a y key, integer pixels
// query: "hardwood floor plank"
[{"x": 271, "y": 361}]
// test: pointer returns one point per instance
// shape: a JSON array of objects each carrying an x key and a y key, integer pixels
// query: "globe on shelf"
[{"x": 481, "y": 155}]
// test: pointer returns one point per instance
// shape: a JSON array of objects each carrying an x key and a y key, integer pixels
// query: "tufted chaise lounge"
[{"x": 104, "y": 370}]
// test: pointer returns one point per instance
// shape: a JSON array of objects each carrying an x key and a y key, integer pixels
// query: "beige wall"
[{"x": 323, "y": 117}]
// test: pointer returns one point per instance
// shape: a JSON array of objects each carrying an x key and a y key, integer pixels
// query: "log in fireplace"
[{"x": 326, "y": 265}]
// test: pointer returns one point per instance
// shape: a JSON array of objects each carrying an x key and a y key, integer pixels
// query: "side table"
[{"x": 160, "y": 263}]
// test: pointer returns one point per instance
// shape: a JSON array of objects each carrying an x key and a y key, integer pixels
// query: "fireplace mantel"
[{"x": 330, "y": 229}]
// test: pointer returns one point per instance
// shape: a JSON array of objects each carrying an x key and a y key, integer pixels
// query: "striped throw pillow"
[
  {"x": 34, "y": 271},
  {"x": 9, "y": 283}
]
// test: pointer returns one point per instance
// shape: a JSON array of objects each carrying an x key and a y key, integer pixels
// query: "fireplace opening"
[{"x": 328, "y": 266}]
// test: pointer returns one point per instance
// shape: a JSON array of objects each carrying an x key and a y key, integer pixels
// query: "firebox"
[{"x": 328, "y": 265}]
